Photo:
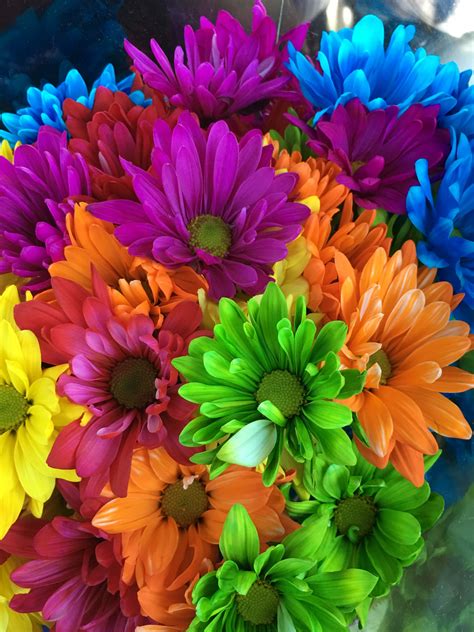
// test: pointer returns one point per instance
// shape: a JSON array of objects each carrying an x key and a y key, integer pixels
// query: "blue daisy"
[
  {"x": 446, "y": 222},
  {"x": 355, "y": 63},
  {"x": 45, "y": 105}
]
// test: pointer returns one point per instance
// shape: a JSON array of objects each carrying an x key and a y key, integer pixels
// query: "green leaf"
[
  {"x": 389, "y": 569},
  {"x": 330, "y": 338},
  {"x": 354, "y": 382},
  {"x": 328, "y": 415},
  {"x": 251, "y": 445},
  {"x": 399, "y": 526},
  {"x": 429, "y": 513},
  {"x": 346, "y": 588},
  {"x": 336, "y": 445},
  {"x": 305, "y": 542},
  {"x": 402, "y": 495},
  {"x": 239, "y": 539}
]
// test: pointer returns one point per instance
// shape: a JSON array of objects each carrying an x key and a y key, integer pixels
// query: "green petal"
[
  {"x": 429, "y": 513},
  {"x": 343, "y": 588},
  {"x": 266, "y": 560},
  {"x": 191, "y": 368},
  {"x": 205, "y": 458},
  {"x": 328, "y": 415},
  {"x": 336, "y": 445},
  {"x": 340, "y": 556},
  {"x": 187, "y": 434},
  {"x": 289, "y": 568},
  {"x": 303, "y": 437},
  {"x": 236, "y": 406},
  {"x": 335, "y": 480},
  {"x": 353, "y": 382},
  {"x": 284, "y": 620},
  {"x": 273, "y": 462},
  {"x": 301, "y": 614},
  {"x": 396, "y": 549},
  {"x": 227, "y": 575},
  {"x": 239, "y": 539},
  {"x": 251, "y": 445},
  {"x": 399, "y": 526},
  {"x": 199, "y": 393},
  {"x": 329, "y": 617},
  {"x": 389, "y": 569},
  {"x": 270, "y": 411},
  {"x": 325, "y": 386},
  {"x": 330, "y": 338},
  {"x": 305, "y": 542},
  {"x": 304, "y": 338},
  {"x": 402, "y": 495}
]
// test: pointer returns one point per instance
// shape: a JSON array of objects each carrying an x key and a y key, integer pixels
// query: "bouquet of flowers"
[{"x": 237, "y": 292}]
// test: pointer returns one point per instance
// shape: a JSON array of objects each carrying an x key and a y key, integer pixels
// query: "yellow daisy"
[
  {"x": 31, "y": 414},
  {"x": 11, "y": 621}
]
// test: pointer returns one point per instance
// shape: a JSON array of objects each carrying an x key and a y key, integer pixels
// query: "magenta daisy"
[
  {"x": 75, "y": 574},
  {"x": 214, "y": 203},
  {"x": 36, "y": 193},
  {"x": 225, "y": 70},
  {"x": 377, "y": 150},
  {"x": 121, "y": 372}
]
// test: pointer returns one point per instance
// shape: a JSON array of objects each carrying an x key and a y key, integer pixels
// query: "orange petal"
[
  {"x": 376, "y": 420},
  {"x": 400, "y": 319},
  {"x": 453, "y": 380},
  {"x": 408, "y": 421},
  {"x": 370, "y": 456},
  {"x": 432, "y": 319},
  {"x": 409, "y": 463},
  {"x": 442, "y": 415},
  {"x": 443, "y": 351},
  {"x": 423, "y": 374},
  {"x": 126, "y": 514}
]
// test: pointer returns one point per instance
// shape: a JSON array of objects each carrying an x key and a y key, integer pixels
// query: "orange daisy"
[
  {"x": 356, "y": 238},
  {"x": 400, "y": 331},
  {"x": 136, "y": 285},
  {"x": 172, "y": 518},
  {"x": 317, "y": 186}
]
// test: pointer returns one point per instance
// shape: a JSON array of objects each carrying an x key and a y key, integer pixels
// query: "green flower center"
[
  {"x": 284, "y": 390},
  {"x": 259, "y": 606},
  {"x": 13, "y": 408},
  {"x": 185, "y": 503},
  {"x": 211, "y": 234},
  {"x": 381, "y": 358},
  {"x": 132, "y": 383},
  {"x": 356, "y": 164},
  {"x": 355, "y": 517}
]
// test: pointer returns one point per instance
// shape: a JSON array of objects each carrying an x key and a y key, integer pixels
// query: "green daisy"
[
  {"x": 265, "y": 381},
  {"x": 279, "y": 590},
  {"x": 375, "y": 517}
]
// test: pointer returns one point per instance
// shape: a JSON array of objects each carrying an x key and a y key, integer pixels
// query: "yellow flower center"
[
  {"x": 185, "y": 502},
  {"x": 132, "y": 383},
  {"x": 211, "y": 234},
  {"x": 259, "y": 606},
  {"x": 13, "y": 408},
  {"x": 381, "y": 358}
]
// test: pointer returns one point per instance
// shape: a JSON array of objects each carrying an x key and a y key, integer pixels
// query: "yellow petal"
[
  {"x": 31, "y": 354},
  {"x": 36, "y": 483},
  {"x": 18, "y": 377}
]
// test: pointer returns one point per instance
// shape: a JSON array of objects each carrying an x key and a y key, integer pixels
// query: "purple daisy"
[
  {"x": 377, "y": 150},
  {"x": 226, "y": 70},
  {"x": 36, "y": 194},
  {"x": 212, "y": 202}
]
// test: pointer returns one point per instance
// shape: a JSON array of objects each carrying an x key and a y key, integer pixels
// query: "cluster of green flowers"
[{"x": 266, "y": 384}]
